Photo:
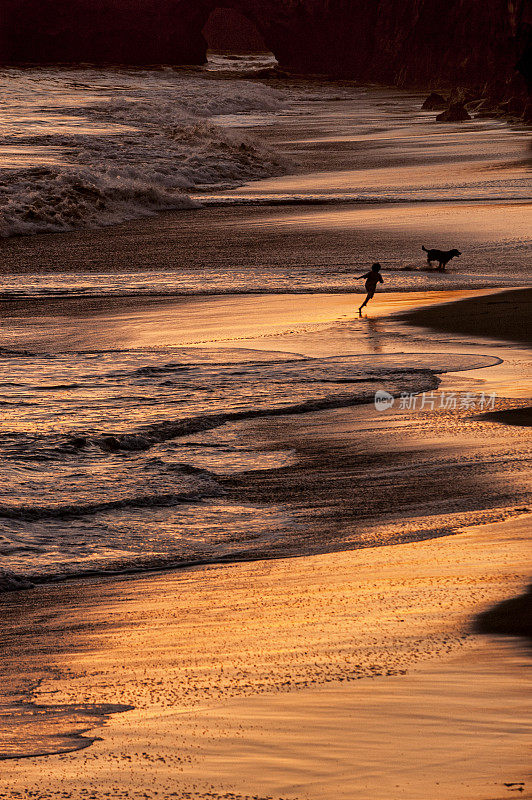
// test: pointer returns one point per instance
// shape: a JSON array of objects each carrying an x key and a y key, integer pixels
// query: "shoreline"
[
  {"x": 344, "y": 234},
  {"x": 279, "y": 319},
  {"x": 314, "y": 337},
  {"x": 250, "y": 320},
  {"x": 187, "y": 649}
]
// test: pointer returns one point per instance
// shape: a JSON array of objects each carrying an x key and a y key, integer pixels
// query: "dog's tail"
[{"x": 424, "y": 248}]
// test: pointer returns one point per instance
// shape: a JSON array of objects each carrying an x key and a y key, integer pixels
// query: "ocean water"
[
  {"x": 87, "y": 148},
  {"x": 113, "y": 460}
]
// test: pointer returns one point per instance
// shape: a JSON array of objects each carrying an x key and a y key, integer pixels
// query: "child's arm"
[
  {"x": 380, "y": 279},
  {"x": 366, "y": 275}
]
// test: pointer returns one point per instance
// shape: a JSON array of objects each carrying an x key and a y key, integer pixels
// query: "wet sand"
[
  {"x": 350, "y": 674},
  {"x": 227, "y": 320},
  {"x": 232, "y": 238},
  {"x": 285, "y": 678},
  {"x": 307, "y": 324}
]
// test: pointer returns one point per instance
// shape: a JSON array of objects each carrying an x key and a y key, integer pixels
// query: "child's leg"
[{"x": 368, "y": 297}]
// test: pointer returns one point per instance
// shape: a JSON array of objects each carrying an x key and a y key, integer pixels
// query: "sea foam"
[{"x": 122, "y": 146}]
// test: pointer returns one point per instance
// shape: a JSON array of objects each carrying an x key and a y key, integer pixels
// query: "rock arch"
[
  {"x": 407, "y": 42},
  {"x": 230, "y": 30}
]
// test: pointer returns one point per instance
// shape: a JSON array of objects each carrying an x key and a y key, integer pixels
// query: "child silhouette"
[{"x": 373, "y": 277}]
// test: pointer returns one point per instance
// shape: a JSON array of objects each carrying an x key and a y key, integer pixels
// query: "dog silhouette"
[{"x": 441, "y": 256}]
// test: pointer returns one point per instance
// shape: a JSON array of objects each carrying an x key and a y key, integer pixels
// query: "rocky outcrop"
[
  {"x": 438, "y": 43},
  {"x": 456, "y": 112},
  {"x": 102, "y": 31},
  {"x": 435, "y": 102}
]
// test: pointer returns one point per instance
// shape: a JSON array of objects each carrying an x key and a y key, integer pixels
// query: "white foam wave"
[{"x": 139, "y": 150}]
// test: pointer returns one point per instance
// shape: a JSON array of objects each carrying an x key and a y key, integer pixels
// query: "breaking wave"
[{"x": 148, "y": 140}]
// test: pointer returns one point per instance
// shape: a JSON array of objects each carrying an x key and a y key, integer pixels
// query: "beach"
[
  {"x": 318, "y": 707},
  {"x": 356, "y": 638},
  {"x": 228, "y": 571}
]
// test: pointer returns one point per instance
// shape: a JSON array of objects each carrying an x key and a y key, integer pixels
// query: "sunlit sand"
[
  {"x": 228, "y": 668},
  {"x": 140, "y": 322}
]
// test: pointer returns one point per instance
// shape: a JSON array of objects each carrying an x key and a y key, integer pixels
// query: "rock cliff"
[{"x": 430, "y": 43}]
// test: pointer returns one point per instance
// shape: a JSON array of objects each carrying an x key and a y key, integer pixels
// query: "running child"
[{"x": 372, "y": 279}]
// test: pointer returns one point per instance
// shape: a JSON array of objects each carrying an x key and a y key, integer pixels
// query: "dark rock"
[
  {"x": 473, "y": 106},
  {"x": 102, "y": 31},
  {"x": 229, "y": 31},
  {"x": 463, "y": 43},
  {"x": 11, "y": 582},
  {"x": 523, "y": 35},
  {"x": 455, "y": 113},
  {"x": 486, "y": 108},
  {"x": 509, "y": 416},
  {"x": 434, "y": 102},
  {"x": 78, "y": 442},
  {"x": 465, "y": 95}
]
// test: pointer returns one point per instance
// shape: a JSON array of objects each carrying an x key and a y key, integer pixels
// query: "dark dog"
[{"x": 441, "y": 256}]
